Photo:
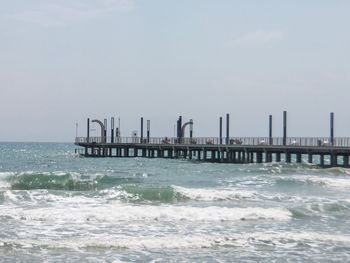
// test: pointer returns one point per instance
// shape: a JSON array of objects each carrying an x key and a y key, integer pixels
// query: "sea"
[{"x": 56, "y": 206}]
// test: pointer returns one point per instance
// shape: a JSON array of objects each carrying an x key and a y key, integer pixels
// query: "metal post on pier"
[
  {"x": 141, "y": 141},
  {"x": 180, "y": 126},
  {"x": 112, "y": 130},
  {"x": 227, "y": 128},
  {"x": 332, "y": 128},
  {"x": 105, "y": 130},
  {"x": 284, "y": 128},
  {"x": 191, "y": 128},
  {"x": 88, "y": 131},
  {"x": 270, "y": 130},
  {"x": 220, "y": 130},
  {"x": 148, "y": 129}
]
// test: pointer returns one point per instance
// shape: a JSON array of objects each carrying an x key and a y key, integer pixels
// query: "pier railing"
[{"x": 249, "y": 141}]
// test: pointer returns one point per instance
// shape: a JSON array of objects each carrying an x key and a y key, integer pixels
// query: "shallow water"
[{"x": 56, "y": 206}]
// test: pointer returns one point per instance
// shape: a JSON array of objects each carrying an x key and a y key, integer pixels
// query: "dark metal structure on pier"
[{"x": 322, "y": 151}]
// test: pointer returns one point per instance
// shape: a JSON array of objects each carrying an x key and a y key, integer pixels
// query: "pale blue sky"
[{"x": 64, "y": 60}]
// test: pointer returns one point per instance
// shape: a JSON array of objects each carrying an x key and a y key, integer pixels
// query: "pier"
[{"x": 321, "y": 151}]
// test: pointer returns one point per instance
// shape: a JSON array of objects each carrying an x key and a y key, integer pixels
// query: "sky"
[{"x": 63, "y": 61}]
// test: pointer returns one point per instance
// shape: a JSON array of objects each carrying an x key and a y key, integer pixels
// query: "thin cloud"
[
  {"x": 256, "y": 38},
  {"x": 66, "y": 12}
]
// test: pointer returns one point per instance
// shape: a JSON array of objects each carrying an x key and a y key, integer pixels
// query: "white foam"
[
  {"x": 330, "y": 182},
  {"x": 213, "y": 194},
  {"x": 4, "y": 185},
  {"x": 176, "y": 241},
  {"x": 82, "y": 212}
]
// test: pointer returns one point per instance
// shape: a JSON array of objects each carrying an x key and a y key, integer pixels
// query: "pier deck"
[{"x": 317, "y": 151}]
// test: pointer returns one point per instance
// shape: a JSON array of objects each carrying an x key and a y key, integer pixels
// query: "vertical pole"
[
  {"x": 191, "y": 128},
  {"x": 177, "y": 128},
  {"x": 180, "y": 126},
  {"x": 148, "y": 129},
  {"x": 112, "y": 130},
  {"x": 119, "y": 127},
  {"x": 141, "y": 130},
  {"x": 284, "y": 128},
  {"x": 220, "y": 130},
  {"x": 105, "y": 131},
  {"x": 88, "y": 131},
  {"x": 332, "y": 128},
  {"x": 270, "y": 130},
  {"x": 227, "y": 128}
]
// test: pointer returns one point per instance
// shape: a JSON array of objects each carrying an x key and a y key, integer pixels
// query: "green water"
[{"x": 56, "y": 206}]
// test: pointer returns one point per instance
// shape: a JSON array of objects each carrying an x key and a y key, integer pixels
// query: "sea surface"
[{"x": 58, "y": 207}]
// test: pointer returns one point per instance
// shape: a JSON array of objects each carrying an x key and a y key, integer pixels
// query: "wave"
[
  {"x": 176, "y": 241},
  {"x": 339, "y": 183},
  {"x": 53, "y": 180},
  {"x": 327, "y": 209},
  {"x": 170, "y": 194},
  {"x": 163, "y": 194},
  {"x": 116, "y": 212},
  {"x": 201, "y": 194},
  {"x": 59, "y": 180}
]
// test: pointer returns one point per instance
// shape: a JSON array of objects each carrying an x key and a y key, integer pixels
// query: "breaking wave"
[
  {"x": 116, "y": 212},
  {"x": 246, "y": 240}
]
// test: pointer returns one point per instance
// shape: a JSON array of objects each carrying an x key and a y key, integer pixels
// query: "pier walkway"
[{"x": 324, "y": 152}]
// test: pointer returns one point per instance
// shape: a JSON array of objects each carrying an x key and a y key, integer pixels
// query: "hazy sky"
[{"x": 64, "y": 60}]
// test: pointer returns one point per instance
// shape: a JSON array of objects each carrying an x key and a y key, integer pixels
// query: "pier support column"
[
  {"x": 309, "y": 158},
  {"x": 213, "y": 155},
  {"x": 334, "y": 160},
  {"x": 288, "y": 157},
  {"x": 251, "y": 157},
  {"x": 268, "y": 157},
  {"x": 259, "y": 157},
  {"x": 346, "y": 161},
  {"x": 222, "y": 156},
  {"x": 278, "y": 157},
  {"x": 298, "y": 157},
  {"x": 322, "y": 160},
  {"x": 126, "y": 153}
]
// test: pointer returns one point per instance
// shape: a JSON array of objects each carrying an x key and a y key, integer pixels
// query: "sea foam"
[
  {"x": 118, "y": 212},
  {"x": 201, "y": 194}
]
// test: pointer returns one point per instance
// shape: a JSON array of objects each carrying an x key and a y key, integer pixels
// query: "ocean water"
[{"x": 59, "y": 207}]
